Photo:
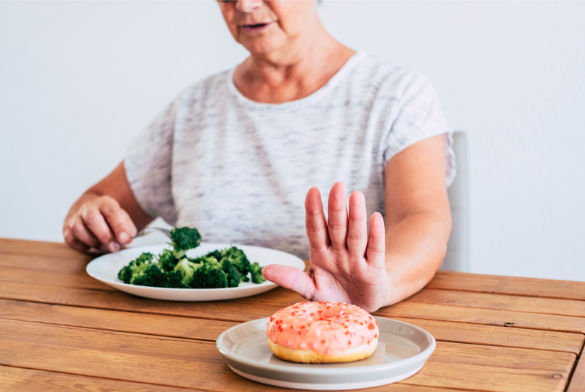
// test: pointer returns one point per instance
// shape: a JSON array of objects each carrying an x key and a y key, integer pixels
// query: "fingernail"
[
  {"x": 113, "y": 246},
  {"x": 124, "y": 237}
]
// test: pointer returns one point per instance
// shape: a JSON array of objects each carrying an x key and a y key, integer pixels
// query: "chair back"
[{"x": 457, "y": 257}]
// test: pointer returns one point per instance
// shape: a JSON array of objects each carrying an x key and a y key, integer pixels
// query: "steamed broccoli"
[
  {"x": 209, "y": 278},
  {"x": 233, "y": 275},
  {"x": 149, "y": 275},
  {"x": 134, "y": 267},
  {"x": 256, "y": 273},
  {"x": 183, "y": 239},
  {"x": 238, "y": 258},
  {"x": 211, "y": 262},
  {"x": 172, "y": 269},
  {"x": 175, "y": 280},
  {"x": 215, "y": 254},
  {"x": 167, "y": 260},
  {"x": 205, "y": 259},
  {"x": 186, "y": 269}
]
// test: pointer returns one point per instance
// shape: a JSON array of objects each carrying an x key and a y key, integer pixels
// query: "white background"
[{"x": 79, "y": 79}]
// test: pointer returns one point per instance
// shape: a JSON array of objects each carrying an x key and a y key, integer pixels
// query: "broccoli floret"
[
  {"x": 256, "y": 273},
  {"x": 211, "y": 262},
  {"x": 125, "y": 274},
  {"x": 233, "y": 275},
  {"x": 245, "y": 278},
  {"x": 149, "y": 275},
  {"x": 238, "y": 258},
  {"x": 175, "y": 280},
  {"x": 145, "y": 257},
  {"x": 183, "y": 239},
  {"x": 186, "y": 269},
  {"x": 209, "y": 278},
  {"x": 206, "y": 260},
  {"x": 134, "y": 267},
  {"x": 215, "y": 254},
  {"x": 167, "y": 260}
]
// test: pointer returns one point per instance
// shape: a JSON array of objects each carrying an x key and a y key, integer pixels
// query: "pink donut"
[{"x": 315, "y": 332}]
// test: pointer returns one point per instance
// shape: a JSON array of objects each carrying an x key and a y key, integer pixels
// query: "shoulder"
[
  {"x": 387, "y": 79},
  {"x": 203, "y": 89}
]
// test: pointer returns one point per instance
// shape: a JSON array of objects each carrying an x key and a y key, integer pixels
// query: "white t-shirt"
[{"x": 239, "y": 170}]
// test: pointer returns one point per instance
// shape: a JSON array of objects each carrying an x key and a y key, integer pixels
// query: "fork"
[{"x": 149, "y": 230}]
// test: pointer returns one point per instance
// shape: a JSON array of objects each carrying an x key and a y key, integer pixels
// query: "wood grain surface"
[
  {"x": 525, "y": 287},
  {"x": 577, "y": 383},
  {"x": 24, "y": 380},
  {"x": 61, "y": 330}
]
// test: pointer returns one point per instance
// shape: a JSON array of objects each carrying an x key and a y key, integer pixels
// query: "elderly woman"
[{"x": 235, "y": 154}]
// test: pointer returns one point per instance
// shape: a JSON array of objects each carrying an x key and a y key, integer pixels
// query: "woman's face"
[{"x": 265, "y": 26}]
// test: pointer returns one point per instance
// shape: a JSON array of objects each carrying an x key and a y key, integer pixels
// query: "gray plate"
[{"x": 402, "y": 350}]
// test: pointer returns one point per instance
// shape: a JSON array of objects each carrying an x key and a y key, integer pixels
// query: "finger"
[
  {"x": 73, "y": 242},
  {"x": 290, "y": 278},
  {"x": 118, "y": 220},
  {"x": 375, "y": 252},
  {"x": 98, "y": 251},
  {"x": 132, "y": 227},
  {"x": 357, "y": 232},
  {"x": 82, "y": 234},
  {"x": 337, "y": 218},
  {"x": 315, "y": 221},
  {"x": 96, "y": 223}
]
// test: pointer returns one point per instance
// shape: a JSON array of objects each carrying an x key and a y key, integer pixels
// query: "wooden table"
[{"x": 61, "y": 330}]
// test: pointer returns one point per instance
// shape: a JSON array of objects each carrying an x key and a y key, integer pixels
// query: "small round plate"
[
  {"x": 105, "y": 268},
  {"x": 402, "y": 351}
]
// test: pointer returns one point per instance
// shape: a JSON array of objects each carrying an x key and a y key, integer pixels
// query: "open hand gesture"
[{"x": 347, "y": 263}]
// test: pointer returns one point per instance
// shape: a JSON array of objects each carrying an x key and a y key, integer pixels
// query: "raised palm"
[{"x": 347, "y": 263}]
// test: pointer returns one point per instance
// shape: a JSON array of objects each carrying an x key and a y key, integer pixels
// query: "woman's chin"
[
  {"x": 263, "y": 46},
  {"x": 262, "y": 50}
]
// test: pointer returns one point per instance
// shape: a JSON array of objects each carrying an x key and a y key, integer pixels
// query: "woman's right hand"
[{"x": 97, "y": 224}]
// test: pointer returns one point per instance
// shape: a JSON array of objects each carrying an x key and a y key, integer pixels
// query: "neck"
[
  {"x": 294, "y": 71},
  {"x": 295, "y": 59}
]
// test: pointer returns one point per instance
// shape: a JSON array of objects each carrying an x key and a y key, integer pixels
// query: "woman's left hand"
[{"x": 347, "y": 264}]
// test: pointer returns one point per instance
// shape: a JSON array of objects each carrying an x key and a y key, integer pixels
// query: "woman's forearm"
[{"x": 415, "y": 248}]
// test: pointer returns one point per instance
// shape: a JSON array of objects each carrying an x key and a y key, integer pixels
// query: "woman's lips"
[{"x": 255, "y": 28}]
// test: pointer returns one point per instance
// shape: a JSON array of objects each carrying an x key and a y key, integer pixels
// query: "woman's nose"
[{"x": 249, "y": 5}]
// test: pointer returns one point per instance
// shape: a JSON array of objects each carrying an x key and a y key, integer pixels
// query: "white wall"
[{"x": 79, "y": 79}]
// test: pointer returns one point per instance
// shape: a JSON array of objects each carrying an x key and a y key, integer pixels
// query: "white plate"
[
  {"x": 105, "y": 268},
  {"x": 402, "y": 351}
]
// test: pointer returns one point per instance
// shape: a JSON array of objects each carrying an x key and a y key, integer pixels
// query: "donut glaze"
[{"x": 325, "y": 328}]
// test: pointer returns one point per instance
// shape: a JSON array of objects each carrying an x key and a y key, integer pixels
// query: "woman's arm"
[
  {"x": 105, "y": 216},
  {"x": 377, "y": 268},
  {"x": 418, "y": 217}
]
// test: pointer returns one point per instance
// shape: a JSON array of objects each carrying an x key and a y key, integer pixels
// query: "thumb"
[{"x": 290, "y": 278}]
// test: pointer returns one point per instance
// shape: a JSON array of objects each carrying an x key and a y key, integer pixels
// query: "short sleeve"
[
  {"x": 148, "y": 165},
  {"x": 417, "y": 116}
]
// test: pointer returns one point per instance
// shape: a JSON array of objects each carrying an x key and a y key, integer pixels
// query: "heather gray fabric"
[{"x": 239, "y": 170}]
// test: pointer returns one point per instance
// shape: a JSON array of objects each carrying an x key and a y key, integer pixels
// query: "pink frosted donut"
[{"x": 315, "y": 332}]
